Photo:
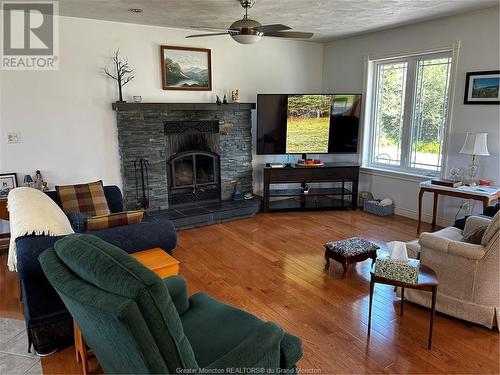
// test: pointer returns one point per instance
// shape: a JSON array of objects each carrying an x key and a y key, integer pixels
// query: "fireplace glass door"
[
  {"x": 184, "y": 167},
  {"x": 205, "y": 169},
  {"x": 194, "y": 169}
]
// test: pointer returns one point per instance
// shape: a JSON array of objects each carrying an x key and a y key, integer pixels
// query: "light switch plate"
[{"x": 13, "y": 137}]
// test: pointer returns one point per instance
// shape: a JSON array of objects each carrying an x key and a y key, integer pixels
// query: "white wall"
[
  {"x": 65, "y": 119},
  {"x": 479, "y": 35}
]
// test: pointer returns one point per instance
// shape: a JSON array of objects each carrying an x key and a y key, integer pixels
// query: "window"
[{"x": 409, "y": 106}]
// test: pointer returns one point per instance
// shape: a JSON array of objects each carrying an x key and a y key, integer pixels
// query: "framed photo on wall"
[
  {"x": 482, "y": 87},
  {"x": 8, "y": 181},
  {"x": 186, "y": 68}
]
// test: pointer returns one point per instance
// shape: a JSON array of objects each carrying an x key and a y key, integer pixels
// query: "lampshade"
[{"x": 476, "y": 144}]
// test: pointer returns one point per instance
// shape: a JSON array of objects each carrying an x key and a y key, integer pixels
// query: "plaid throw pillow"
[
  {"x": 113, "y": 220},
  {"x": 85, "y": 198}
]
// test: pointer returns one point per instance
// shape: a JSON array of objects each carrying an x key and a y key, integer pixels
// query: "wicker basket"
[{"x": 376, "y": 209}]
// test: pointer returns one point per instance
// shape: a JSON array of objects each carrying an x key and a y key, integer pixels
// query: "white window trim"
[{"x": 367, "y": 110}]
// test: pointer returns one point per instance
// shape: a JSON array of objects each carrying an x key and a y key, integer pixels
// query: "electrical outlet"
[{"x": 13, "y": 138}]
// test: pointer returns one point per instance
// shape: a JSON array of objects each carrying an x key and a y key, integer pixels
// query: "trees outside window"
[{"x": 409, "y": 106}]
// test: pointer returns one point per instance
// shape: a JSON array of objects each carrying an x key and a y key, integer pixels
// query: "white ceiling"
[{"x": 328, "y": 19}]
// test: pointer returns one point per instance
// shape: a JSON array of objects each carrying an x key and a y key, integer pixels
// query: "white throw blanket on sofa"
[{"x": 33, "y": 212}]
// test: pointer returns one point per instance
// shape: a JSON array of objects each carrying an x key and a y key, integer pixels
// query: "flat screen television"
[{"x": 312, "y": 123}]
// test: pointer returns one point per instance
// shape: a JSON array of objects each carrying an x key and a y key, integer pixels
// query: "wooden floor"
[{"x": 272, "y": 266}]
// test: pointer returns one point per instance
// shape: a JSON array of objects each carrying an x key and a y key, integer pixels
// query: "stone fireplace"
[{"x": 194, "y": 150}]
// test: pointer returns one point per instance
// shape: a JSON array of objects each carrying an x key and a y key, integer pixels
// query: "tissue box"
[
  {"x": 406, "y": 272},
  {"x": 373, "y": 207}
]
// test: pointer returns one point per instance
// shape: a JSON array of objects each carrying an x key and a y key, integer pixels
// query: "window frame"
[{"x": 371, "y": 86}]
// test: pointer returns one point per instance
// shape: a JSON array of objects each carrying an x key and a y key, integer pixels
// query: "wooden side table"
[
  {"x": 4, "y": 235},
  {"x": 427, "y": 281},
  {"x": 157, "y": 261},
  {"x": 486, "y": 197},
  {"x": 4, "y": 213}
]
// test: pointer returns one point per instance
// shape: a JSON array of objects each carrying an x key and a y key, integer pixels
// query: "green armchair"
[{"x": 136, "y": 322}]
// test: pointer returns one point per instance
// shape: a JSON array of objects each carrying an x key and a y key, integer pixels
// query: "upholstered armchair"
[
  {"x": 137, "y": 323},
  {"x": 468, "y": 274}
]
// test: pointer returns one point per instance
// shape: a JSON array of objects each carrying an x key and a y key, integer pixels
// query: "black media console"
[{"x": 332, "y": 186}]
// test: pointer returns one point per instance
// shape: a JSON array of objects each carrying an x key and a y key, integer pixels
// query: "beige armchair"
[{"x": 469, "y": 275}]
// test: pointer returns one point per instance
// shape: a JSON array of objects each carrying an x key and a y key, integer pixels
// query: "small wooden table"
[
  {"x": 157, "y": 261},
  {"x": 486, "y": 197},
  {"x": 427, "y": 281}
]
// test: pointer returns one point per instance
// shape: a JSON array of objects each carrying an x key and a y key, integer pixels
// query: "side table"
[
  {"x": 157, "y": 261},
  {"x": 4, "y": 235},
  {"x": 486, "y": 195},
  {"x": 427, "y": 281}
]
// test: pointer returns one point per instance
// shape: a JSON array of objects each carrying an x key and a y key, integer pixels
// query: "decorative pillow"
[
  {"x": 88, "y": 199},
  {"x": 491, "y": 230},
  {"x": 113, "y": 220},
  {"x": 475, "y": 236},
  {"x": 77, "y": 220}
]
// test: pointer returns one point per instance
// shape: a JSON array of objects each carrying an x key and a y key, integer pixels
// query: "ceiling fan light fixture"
[{"x": 246, "y": 38}]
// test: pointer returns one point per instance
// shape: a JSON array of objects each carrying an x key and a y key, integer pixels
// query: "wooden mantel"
[{"x": 182, "y": 106}]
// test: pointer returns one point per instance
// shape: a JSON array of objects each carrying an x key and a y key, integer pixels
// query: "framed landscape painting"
[
  {"x": 482, "y": 87},
  {"x": 186, "y": 68}
]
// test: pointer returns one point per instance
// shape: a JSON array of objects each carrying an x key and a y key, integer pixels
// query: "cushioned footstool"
[{"x": 350, "y": 251}]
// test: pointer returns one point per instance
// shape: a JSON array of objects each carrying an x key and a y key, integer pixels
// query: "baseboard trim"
[{"x": 426, "y": 218}]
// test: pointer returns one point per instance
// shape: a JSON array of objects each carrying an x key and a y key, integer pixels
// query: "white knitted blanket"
[{"x": 33, "y": 212}]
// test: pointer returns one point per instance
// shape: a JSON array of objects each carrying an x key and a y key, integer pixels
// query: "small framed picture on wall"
[{"x": 482, "y": 87}]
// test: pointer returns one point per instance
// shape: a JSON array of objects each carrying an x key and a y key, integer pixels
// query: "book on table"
[{"x": 446, "y": 182}]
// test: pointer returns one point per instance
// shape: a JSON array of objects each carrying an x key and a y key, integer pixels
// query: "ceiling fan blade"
[
  {"x": 290, "y": 34},
  {"x": 272, "y": 28},
  {"x": 211, "y": 28},
  {"x": 202, "y": 35}
]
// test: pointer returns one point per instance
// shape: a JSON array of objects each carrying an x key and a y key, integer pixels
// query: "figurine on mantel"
[
  {"x": 235, "y": 96},
  {"x": 218, "y": 101},
  {"x": 40, "y": 184}
]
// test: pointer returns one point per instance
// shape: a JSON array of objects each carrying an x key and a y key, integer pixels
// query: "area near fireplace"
[{"x": 195, "y": 152}]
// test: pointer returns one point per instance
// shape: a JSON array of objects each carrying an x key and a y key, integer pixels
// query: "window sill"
[{"x": 400, "y": 175}]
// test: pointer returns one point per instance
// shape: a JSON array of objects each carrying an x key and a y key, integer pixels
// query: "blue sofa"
[{"x": 48, "y": 322}]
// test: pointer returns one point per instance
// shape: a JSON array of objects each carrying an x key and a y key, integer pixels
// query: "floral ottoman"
[{"x": 349, "y": 251}]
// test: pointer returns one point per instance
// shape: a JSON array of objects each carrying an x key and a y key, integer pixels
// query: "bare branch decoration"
[{"x": 123, "y": 72}]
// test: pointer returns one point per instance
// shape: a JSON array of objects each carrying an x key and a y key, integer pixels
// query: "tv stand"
[{"x": 332, "y": 186}]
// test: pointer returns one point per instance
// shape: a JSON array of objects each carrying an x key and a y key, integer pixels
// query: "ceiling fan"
[{"x": 248, "y": 31}]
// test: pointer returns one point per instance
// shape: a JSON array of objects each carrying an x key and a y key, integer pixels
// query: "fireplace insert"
[{"x": 193, "y": 176}]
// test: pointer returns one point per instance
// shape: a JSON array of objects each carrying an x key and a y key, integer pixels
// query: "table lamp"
[
  {"x": 28, "y": 180},
  {"x": 475, "y": 145}
]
